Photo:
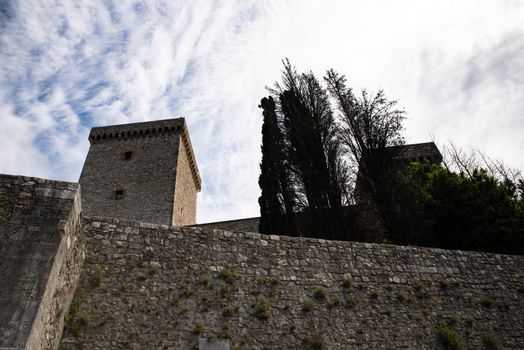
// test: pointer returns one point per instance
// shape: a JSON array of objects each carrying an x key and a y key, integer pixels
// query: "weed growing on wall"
[
  {"x": 198, "y": 328},
  {"x": 227, "y": 275},
  {"x": 487, "y": 301},
  {"x": 490, "y": 342},
  {"x": 320, "y": 293},
  {"x": 347, "y": 282},
  {"x": 307, "y": 305},
  {"x": 75, "y": 322},
  {"x": 206, "y": 281},
  {"x": 230, "y": 310},
  {"x": 261, "y": 309},
  {"x": 96, "y": 276},
  {"x": 315, "y": 342},
  {"x": 448, "y": 338},
  {"x": 333, "y": 302}
]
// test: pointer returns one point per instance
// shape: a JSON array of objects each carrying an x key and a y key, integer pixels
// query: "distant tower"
[
  {"x": 141, "y": 171},
  {"x": 402, "y": 155}
]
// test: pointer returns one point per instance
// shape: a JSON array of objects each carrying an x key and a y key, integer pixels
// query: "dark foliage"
[
  {"x": 277, "y": 199},
  {"x": 312, "y": 153},
  {"x": 371, "y": 126},
  {"x": 476, "y": 212},
  {"x": 332, "y": 167}
]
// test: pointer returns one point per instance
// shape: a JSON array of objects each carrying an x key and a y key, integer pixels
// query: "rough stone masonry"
[
  {"x": 150, "y": 286},
  {"x": 41, "y": 256},
  {"x": 141, "y": 171}
]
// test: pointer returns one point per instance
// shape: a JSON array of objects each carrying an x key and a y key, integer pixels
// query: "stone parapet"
[
  {"x": 41, "y": 254},
  {"x": 152, "y": 286}
]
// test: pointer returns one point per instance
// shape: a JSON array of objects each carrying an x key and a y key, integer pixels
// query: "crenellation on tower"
[{"x": 134, "y": 130}]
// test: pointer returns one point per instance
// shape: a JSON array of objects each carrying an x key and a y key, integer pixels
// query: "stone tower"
[{"x": 141, "y": 171}]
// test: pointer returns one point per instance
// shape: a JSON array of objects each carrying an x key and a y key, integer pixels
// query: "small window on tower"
[
  {"x": 119, "y": 194},
  {"x": 128, "y": 155}
]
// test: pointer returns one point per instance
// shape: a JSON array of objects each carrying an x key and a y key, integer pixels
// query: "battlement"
[
  {"x": 131, "y": 130},
  {"x": 416, "y": 152},
  {"x": 149, "y": 129}
]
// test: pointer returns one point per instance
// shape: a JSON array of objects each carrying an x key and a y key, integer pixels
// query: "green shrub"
[
  {"x": 75, "y": 322},
  {"x": 333, "y": 302},
  {"x": 198, "y": 328},
  {"x": 320, "y": 293},
  {"x": 471, "y": 211},
  {"x": 448, "y": 338},
  {"x": 182, "y": 310},
  {"x": 401, "y": 296},
  {"x": 490, "y": 342},
  {"x": 261, "y": 280},
  {"x": 230, "y": 310},
  {"x": 205, "y": 280},
  {"x": 469, "y": 321},
  {"x": 261, "y": 309},
  {"x": 132, "y": 264},
  {"x": 445, "y": 284},
  {"x": 351, "y": 303},
  {"x": 347, "y": 282},
  {"x": 257, "y": 291},
  {"x": 185, "y": 291},
  {"x": 96, "y": 277},
  {"x": 225, "y": 333},
  {"x": 205, "y": 300},
  {"x": 227, "y": 275},
  {"x": 307, "y": 305},
  {"x": 79, "y": 325},
  {"x": 224, "y": 291},
  {"x": 487, "y": 301},
  {"x": 315, "y": 342}
]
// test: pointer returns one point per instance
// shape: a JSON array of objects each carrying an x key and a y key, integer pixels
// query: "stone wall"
[
  {"x": 240, "y": 225},
  {"x": 154, "y": 287},
  {"x": 146, "y": 176},
  {"x": 184, "y": 211},
  {"x": 41, "y": 254}
]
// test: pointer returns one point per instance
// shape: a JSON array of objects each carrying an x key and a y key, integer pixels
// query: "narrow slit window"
[
  {"x": 119, "y": 194},
  {"x": 128, "y": 155}
]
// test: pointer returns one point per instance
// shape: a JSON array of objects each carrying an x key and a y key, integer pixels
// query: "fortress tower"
[{"x": 141, "y": 171}]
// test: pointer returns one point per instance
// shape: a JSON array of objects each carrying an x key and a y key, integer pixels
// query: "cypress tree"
[
  {"x": 276, "y": 200},
  {"x": 313, "y": 152}
]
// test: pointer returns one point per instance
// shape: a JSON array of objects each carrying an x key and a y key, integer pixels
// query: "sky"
[{"x": 456, "y": 67}]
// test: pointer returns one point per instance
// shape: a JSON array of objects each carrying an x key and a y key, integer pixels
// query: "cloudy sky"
[{"x": 456, "y": 67}]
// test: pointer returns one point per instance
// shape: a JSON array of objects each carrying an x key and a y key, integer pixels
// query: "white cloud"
[{"x": 456, "y": 67}]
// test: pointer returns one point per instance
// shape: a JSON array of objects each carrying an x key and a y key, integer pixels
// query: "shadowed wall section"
[{"x": 41, "y": 254}]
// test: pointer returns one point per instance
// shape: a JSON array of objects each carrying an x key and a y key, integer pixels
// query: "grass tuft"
[
  {"x": 448, "y": 338},
  {"x": 320, "y": 293}
]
